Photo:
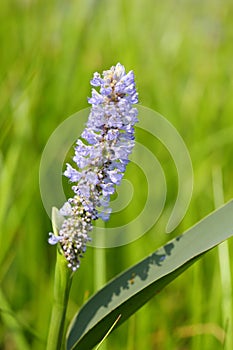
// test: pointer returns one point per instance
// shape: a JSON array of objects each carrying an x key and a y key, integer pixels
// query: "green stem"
[
  {"x": 62, "y": 284},
  {"x": 100, "y": 260}
]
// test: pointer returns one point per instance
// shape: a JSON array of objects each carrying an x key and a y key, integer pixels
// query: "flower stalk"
[{"x": 62, "y": 284}]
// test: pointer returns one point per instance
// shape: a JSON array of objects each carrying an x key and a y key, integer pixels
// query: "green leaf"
[{"x": 133, "y": 288}]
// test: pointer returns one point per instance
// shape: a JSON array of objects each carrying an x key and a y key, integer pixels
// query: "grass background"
[{"x": 181, "y": 53}]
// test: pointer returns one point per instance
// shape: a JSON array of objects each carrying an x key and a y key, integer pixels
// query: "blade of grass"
[
  {"x": 109, "y": 331},
  {"x": 100, "y": 266},
  {"x": 12, "y": 324},
  {"x": 224, "y": 263}
]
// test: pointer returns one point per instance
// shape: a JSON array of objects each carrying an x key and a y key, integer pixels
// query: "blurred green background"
[{"x": 181, "y": 53}]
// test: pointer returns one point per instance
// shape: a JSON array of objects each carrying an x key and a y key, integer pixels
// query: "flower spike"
[{"x": 101, "y": 156}]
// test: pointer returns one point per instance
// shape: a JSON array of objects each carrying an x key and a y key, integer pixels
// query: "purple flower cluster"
[{"x": 101, "y": 156}]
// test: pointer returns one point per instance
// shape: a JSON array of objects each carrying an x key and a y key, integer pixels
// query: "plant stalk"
[{"x": 62, "y": 284}]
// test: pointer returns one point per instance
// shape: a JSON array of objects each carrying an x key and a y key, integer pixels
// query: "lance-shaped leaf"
[{"x": 133, "y": 288}]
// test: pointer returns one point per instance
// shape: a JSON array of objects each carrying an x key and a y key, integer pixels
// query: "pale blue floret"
[
  {"x": 90, "y": 136},
  {"x": 101, "y": 156},
  {"x": 54, "y": 239},
  {"x": 73, "y": 174},
  {"x": 96, "y": 98}
]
